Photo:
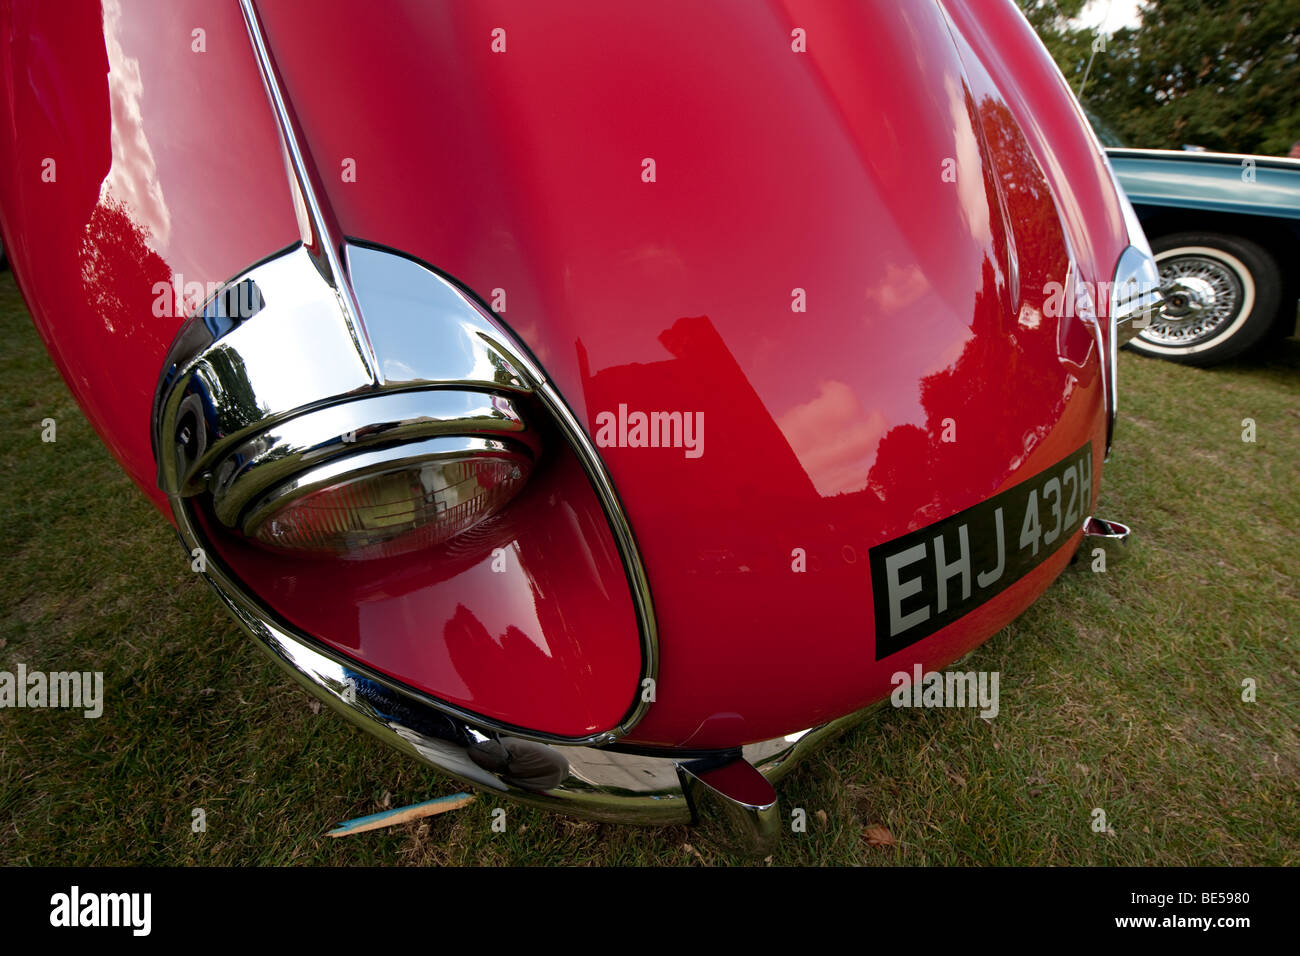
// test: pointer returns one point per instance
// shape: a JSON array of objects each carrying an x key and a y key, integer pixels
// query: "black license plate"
[{"x": 928, "y": 578}]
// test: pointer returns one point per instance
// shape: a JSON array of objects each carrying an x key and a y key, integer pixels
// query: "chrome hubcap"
[{"x": 1202, "y": 295}]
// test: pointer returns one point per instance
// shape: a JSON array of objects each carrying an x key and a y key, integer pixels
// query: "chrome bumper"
[{"x": 728, "y": 793}]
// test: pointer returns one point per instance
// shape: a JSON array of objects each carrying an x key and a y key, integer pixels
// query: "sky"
[{"x": 1110, "y": 15}]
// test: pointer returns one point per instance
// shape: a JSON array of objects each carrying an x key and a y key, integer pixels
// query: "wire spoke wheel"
[
  {"x": 1220, "y": 295},
  {"x": 1202, "y": 294}
]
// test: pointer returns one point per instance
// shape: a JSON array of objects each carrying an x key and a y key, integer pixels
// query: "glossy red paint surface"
[{"x": 775, "y": 171}]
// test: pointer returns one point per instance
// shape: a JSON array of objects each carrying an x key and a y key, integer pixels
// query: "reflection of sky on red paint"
[
  {"x": 819, "y": 172},
  {"x": 834, "y": 438},
  {"x": 195, "y": 154},
  {"x": 133, "y": 176}
]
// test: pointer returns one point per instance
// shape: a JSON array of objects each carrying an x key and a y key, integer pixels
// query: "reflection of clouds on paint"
[
  {"x": 834, "y": 438},
  {"x": 949, "y": 356},
  {"x": 900, "y": 287},
  {"x": 970, "y": 164},
  {"x": 133, "y": 176}
]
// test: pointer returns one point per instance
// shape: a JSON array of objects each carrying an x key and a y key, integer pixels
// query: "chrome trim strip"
[
  {"x": 1134, "y": 298},
  {"x": 1192, "y": 156},
  {"x": 327, "y": 242},
  {"x": 637, "y": 579}
]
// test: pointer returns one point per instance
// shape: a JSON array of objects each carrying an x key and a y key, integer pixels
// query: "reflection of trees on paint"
[
  {"x": 916, "y": 472},
  {"x": 119, "y": 270},
  {"x": 1010, "y": 371},
  {"x": 1028, "y": 201}
]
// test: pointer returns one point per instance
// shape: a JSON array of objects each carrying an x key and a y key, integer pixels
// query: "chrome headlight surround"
[
  {"x": 239, "y": 424},
  {"x": 1135, "y": 296}
]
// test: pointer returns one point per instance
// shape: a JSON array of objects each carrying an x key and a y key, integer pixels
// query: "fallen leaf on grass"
[
  {"x": 877, "y": 835},
  {"x": 1035, "y": 791},
  {"x": 694, "y": 852}
]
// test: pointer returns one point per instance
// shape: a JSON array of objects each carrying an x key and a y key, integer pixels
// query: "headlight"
[
  {"x": 393, "y": 501},
  {"x": 323, "y": 456},
  {"x": 1134, "y": 291}
]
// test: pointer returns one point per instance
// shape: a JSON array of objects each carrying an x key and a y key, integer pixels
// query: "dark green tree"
[
  {"x": 1223, "y": 74},
  {"x": 1068, "y": 44}
]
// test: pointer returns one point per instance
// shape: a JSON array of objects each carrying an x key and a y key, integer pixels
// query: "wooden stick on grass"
[{"x": 389, "y": 818}]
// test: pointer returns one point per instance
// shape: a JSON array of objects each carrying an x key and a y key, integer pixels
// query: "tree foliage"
[{"x": 1223, "y": 74}]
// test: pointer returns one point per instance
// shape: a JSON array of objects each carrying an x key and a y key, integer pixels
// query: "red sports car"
[{"x": 599, "y": 402}]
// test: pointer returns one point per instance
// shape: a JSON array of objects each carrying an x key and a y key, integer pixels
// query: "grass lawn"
[{"x": 1120, "y": 691}]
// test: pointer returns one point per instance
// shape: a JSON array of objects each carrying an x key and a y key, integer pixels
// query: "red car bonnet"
[{"x": 802, "y": 249}]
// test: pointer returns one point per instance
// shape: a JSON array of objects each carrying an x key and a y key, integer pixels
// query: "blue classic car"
[{"x": 1225, "y": 230}]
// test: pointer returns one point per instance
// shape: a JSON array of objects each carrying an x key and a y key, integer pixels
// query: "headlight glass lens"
[{"x": 396, "y": 512}]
